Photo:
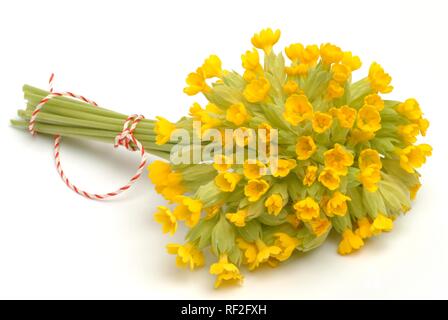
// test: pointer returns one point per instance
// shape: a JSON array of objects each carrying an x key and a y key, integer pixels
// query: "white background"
[{"x": 133, "y": 56}]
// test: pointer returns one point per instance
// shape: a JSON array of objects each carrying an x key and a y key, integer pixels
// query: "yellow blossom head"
[
  {"x": 255, "y": 188},
  {"x": 284, "y": 166},
  {"x": 330, "y": 53},
  {"x": 379, "y": 80},
  {"x": 225, "y": 272},
  {"x": 350, "y": 242},
  {"x": 321, "y": 122},
  {"x": 307, "y": 209},
  {"x": 187, "y": 255},
  {"x": 254, "y": 170},
  {"x": 266, "y": 39},
  {"x": 163, "y": 130},
  {"x": 257, "y": 90},
  {"x": 237, "y": 114},
  {"x": 338, "y": 159},
  {"x": 166, "y": 218},
  {"x": 329, "y": 178},
  {"x": 227, "y": 181},
  {"x": 310, "y": 176},
  {"x": 274, "y": 204},
  {"x": 297, "y": 109},
  {"x": 413, "y": 157},
  {"x": 369, "y": 119},
  {"x": 337, "y": 205},
  {"x": 305, "y": 147},
  {"x": 346, "y": 116}
]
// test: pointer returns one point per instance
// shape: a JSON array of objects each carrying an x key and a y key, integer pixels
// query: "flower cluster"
[{"x": 347, "y": 158}]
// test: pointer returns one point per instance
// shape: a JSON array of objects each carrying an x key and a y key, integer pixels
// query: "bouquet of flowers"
[{"x": 280, "y": 156}]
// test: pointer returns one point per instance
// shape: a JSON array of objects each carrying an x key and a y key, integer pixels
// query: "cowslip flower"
[
  {"x": 255, "y": 188},
  {"x": 238, "y": 218},
  {"x": 329, "y": 178},
  {"x": 237, "y": 114},
  {"x": 212, "y": 67},
  {"x": 350, "y": 242},
  {"x": 227, "y": 181},
  {"x": 337, "y": 205},
  {"x": 338, "y": 159},
  {"x": 274, "y": 204},
  {"x": 346, "y": 116},
  {"x": 413, "y": 157},
  {"x": 187, "y": 255},
  {"x": 225, "y": 271},
  {"x": 307, "y": 209},
  {"x": 188, "y": 210},
  {"x": 254, "y": 170},
  {"x": 310, "y": 176},
  {"x": 287, "y": 244},
  {"x": 166, "y": 218},
  {"x": 321, "y": 122},
  {"x": 369, "y": 177},
  {"x": 297, "y": 109},
  {"x": 379, "y": 80},
  {"x": 305, "y": 147},
  {"x": 163, "y": 129},
  {"x": 265, "y": 39},
  {"x": 284, "y": 166},
  {"x": 368, "y": 119},
  {"x": 196, "y": 83},
  {"x": 410, "y": 109},
  {"x": 330, "y": 53},
  {"x": 320, "y": 226},
  {"x": 381, "y": 224},
  {"x": 257, "y": 90}
]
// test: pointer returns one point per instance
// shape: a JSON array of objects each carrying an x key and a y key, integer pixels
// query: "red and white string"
[{"x": 126, "y": 138}]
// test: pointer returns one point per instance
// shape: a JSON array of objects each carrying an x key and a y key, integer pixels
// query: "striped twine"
[{"x": 126, "y": 139}]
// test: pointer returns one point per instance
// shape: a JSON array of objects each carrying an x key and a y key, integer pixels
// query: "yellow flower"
[
  {"x": 297, "y": 109},
  {"x": 413, "y": 190},
  {"x": 265, "y": 39},
  {"x": 212, "y": 67},
  {"x": 255, "y": 188},
  {"x": 369, "y": 157},
  {"x": 305, "y": 147},
  {"x": 330, "y": 53},
  {"x": 167, "y": 182},
  {"x": 222, "y": 163},
  {"x": 346, "y": 116},
  {"x": 334, "y": 90},
  {"x": 364, "y": 228},
  {"x": 379, "y": 80},
  {"x": 381, "y": 224},
  {"x": 338, "y": 159},
  {"x": 319, "y": 226},
  {"x": 188, "y": 209},
  {"x": 297, "y": 70},
  {"x": 267, "y": 127},
  {"x": 410, "y": 109},
  {"x": 257, "y": 253},
  {"x": 165, "y": 217},
  {"x": 341, "y": 72},
  {"x": 274, "y": 204},
  {"x": 369, "y": 177},
  {"x": 413, "y": 157},
  {"x": 251, "y": 60},
  {"x": 284, "y": 166},
  {"x": 163, "y": 129},
  {"x": 359, "y": 136},
  {"x": 225, "y": 272},
  {"x": 187, "y": 255},
  {"x": 196, "y": 83},
  {"x": 310, "y": 176},
  {"x": 369, "y": 119},
  {"x": 337, "y": 205},
  {"x": 350, "y": 241},
  {"x": 409, "y": 132},
  {"x": 290, "y": 87},
  {"x": 307, "y": 209},
  {"x": 287, "y": 244},
  {"x": 257, "y": 90},
  {"x": 238, "y": 218},
  {"x": 322, "y": 122},
  {"x": 353, "y": 62},
  {"x": 227, "y": 181},
  {"x": 329, "y": 178},
  {"x": 310, "y": 55},
  {"x": 254, "y": 170},
  {"x": 294, "y": 51},
  {"x": 237, "y": 114},
  {"x": 159, "y": 171},
  {"x": 375, "y": 101}
]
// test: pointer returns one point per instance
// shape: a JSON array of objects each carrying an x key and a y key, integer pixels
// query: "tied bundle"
[{"x": 344, "y": 158}]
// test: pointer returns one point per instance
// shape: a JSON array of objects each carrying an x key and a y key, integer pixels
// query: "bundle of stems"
[{"x": 73, "y": 118}]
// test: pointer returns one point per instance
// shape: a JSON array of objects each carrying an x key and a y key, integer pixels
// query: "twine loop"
[{"x": 125, "y": 138}]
